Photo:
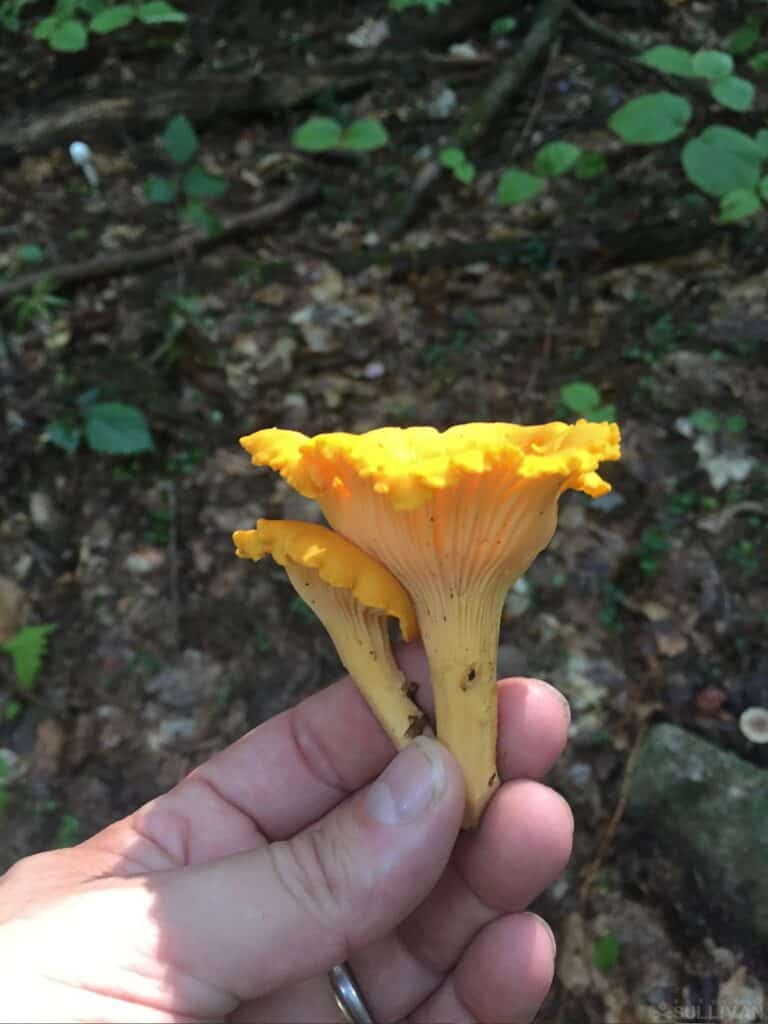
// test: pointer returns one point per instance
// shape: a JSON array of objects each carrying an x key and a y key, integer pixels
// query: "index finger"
[{"x": 288, "y": 772}]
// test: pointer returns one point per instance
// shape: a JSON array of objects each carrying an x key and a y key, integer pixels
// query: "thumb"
[{"x": 256, "y": 921}]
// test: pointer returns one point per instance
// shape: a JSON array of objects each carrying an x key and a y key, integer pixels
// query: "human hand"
[{"x": 231, "y": 896}]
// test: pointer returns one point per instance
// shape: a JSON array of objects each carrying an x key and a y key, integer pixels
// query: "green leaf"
[
  {"x": 580, "y": 396},
  {"x": 653, "y": 118},
  {"x": 68, "y": 36},
  {"x": 31, "y": 253},
  {"x": 759, "y": 63},
  {"x": 742, "y": 39},
  {"x": 117, "y": 429},
  {"x": 605, "y": 953},
  {"x": 12, "y": 710},
  {"x": 199, "y": 184},
  {"x": 556, "y": 158},
  {"x": 44, "y": 28},
  {"x": 160, "y": 190},
  {"x": 602, "y": 414},
  {"x": 197, "y": 213},
  {"x": 157, "y": 12},
  {"x": 673, "y": 60},
  {"x": 705, "y": 420},
  {"x": 465, "y": 173},
  {"x": 180, "y": 139},
  {"x": 712, "y": 64},
  {"x": 317, "y": 134},
  {"x": 452, "y": 156},
  {"x": 501, "y": 26},
  {"x": 64, "y": 434},
  {"x": 738, "y": 204},
  {"x": 364, "y": 135},
  {"x": 762, "y": 141},
  {"x": 736, "y": 424},
  {"x": 515, "y": 186},
  {"x": 589, "y": 165},
  {"x": 764, "y": 188},
  {"x": 27, "y": 650},
  {"x": 734, "y": 92},
  {"x": 722, "y": 159},
  {"x": 112, "y": 18}
]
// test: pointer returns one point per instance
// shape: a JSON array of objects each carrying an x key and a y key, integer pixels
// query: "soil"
[{"x": 166, "y": 647}]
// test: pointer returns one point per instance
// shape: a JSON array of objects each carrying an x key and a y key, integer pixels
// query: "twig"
[
  {"x": 537, "y": 104},
  {"x": 481, "y": 114},
  {"x": 621, "y": 806},
  {"x": 602, "y": 32},
  {"x": 191, "y": 243}
]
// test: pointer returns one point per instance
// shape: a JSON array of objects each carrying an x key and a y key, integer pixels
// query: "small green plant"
[
  {"x": 321, "y": 134},
  {"x": 504, "y": 25},
  {"x": 68, "y": 26},
  {"x": 605, "y": 953},
  {"x": 583, "y": 398},
  {"x": 68, "y": 831},
  {"x": 431, "y": 6},
  {"x": 26, "y": 649},
  {"x": 191, "y": 180},
  {"x": 651, "y": 550},
  {"x": 456, "y": 161},
  {"x": 36, "y": 307},
  {"x": 609, "y": 614},
  {"x": 660, "y": 338},
  {"x": 552, "y": 160},
  {"x": 113, "y": 428}
]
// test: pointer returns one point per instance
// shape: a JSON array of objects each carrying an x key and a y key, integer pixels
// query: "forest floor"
[{"x": 649, "y": 605}]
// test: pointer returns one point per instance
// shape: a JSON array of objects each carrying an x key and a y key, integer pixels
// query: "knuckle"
[{"x": 315, "y": 869}]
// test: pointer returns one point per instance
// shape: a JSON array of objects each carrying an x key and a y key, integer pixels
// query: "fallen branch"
[
  {"x": 203, "y": 99},
  {"x": 191, "y": 243},
  {"x": 601, "y": 32},
  {"x": 481, "y": 114},
  {"x": 571, "y": 246}
]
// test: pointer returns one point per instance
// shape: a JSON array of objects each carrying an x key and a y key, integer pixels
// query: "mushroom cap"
[
  {"x": 338, "y": 562},
  {"x": 753, "y": 724},
  {"x": 409, "y": 465}
]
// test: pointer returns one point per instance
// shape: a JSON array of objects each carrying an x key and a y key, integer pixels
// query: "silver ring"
[{"x": 347, "y": 995}]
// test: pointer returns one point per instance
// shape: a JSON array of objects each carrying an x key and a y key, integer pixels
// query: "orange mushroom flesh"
[
  {"x": 353, "y": 596},
  {"x": 456, "y": 517}
]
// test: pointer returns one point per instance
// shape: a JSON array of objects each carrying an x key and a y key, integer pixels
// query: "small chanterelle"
[{"x": 431, "y": 528}]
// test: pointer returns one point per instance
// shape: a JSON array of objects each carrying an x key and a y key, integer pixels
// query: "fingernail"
[
  {"x": 409, "y": 784},
  {"x": 547, "y": 929}
]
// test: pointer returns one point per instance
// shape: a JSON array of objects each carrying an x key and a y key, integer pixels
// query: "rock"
[
  {"x": 49, "y": 748},
  {"x": 42, "y": 511},
  {"x": 708, "y": 809},
  {"x": 168, "y": 730},
  {"x": 144, "y": 560},
  {"x": 12, "y": 602},
  {"x": 193, "y": 680}
]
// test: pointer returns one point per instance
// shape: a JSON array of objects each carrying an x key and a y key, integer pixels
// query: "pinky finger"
[{"x": 504, "y": 975}]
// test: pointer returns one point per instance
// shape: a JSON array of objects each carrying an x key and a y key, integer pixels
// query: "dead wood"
[
  {"x": 509, "y": 80},
  {"x": 190, "y": 243}
]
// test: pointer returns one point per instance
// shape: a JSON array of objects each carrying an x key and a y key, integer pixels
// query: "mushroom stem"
[
  {"x": 466, "y": 690},
  {"x": 361, "y": 637}
]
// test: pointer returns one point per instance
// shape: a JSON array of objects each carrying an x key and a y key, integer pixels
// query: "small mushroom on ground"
[
  {"x": 753, "y": 724},
  {"x": 456, "y": 517},
  {"x": 353, "y": 596}
]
